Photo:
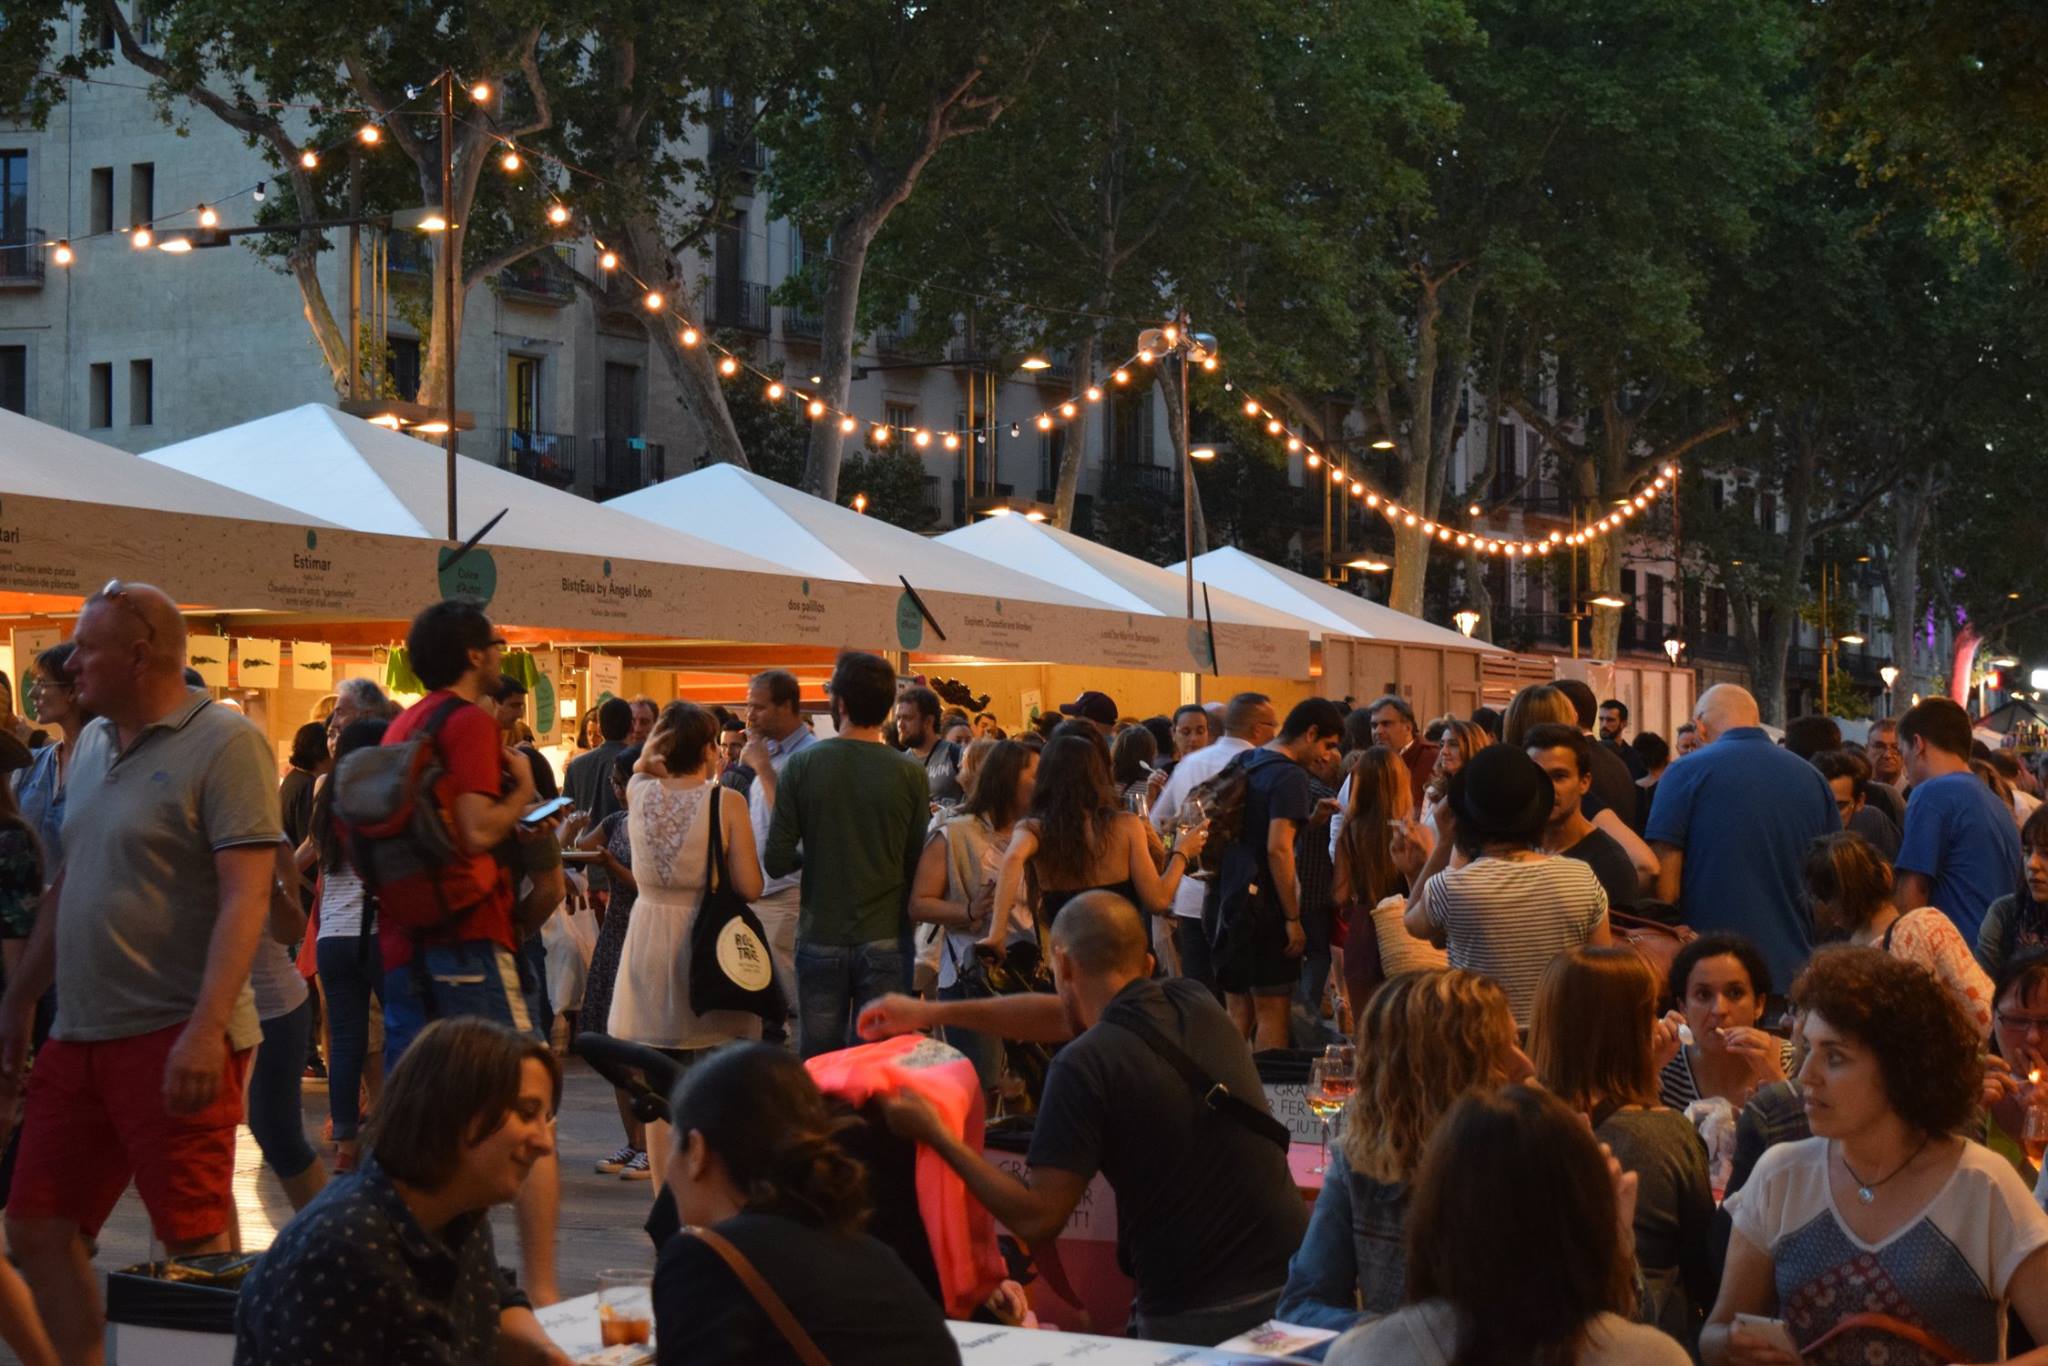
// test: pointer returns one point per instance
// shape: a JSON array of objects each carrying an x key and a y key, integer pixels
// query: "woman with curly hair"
[
  {"x": 1424, "y": 1039},
  {"x": 758, "y": 1174},
  {"x": 1885, "y": 1236}
]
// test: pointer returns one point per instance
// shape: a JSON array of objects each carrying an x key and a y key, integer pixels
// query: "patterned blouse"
[{"x": 355, "y": 1281}]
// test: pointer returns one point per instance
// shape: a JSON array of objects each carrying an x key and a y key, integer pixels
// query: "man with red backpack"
[{"x": 433, "y": 822}]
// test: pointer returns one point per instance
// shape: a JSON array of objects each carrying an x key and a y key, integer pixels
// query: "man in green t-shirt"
[{"x": 850, "y": 812}]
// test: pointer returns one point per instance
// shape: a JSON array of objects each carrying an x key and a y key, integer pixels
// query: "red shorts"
[{"x": 95, "y": 1120}]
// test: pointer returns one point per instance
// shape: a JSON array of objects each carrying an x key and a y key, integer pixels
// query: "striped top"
[
  {"x": 1507, "y": 918},
  {"x": 1678, "y": 1088}
]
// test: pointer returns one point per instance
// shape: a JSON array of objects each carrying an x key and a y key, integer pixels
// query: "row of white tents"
[{"x": 314, "y": 515}]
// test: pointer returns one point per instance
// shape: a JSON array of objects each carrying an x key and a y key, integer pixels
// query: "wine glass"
[{"x": 1323, "y": 1103}]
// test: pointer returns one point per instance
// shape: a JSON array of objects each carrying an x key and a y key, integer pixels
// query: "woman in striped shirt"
[{"x": 1720, "y": 982}]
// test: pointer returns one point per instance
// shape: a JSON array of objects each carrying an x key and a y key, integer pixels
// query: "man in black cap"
[
  {"x": 1511, "y": 908},
  {"x": 1096, "y": 708}
]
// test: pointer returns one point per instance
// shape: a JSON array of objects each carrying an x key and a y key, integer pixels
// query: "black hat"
[
  {"x": 1501, "y": 794},
  {"x": 1093, "y": 706}
]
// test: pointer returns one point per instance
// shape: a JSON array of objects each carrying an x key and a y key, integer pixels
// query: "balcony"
[
  {"x": 596, "y": 467},
  {"x": 542, "y": 278},
  {"x": 1139, "y": 482},
  {"x": 892, "y": 338},
  {"x": 1540, "y": 498},
  {"x": 1060, "y": 373},
  {"x": 738, "y": 304},
  {"x": 802, "y": 324},
  {"x": 742, "y": 154},
  {"x": 21, "y": 259}
]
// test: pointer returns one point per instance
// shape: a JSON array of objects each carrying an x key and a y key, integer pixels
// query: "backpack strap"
[
  {"x": 762, "y": 1294},
  {"x": 1214, "y": 1095}
]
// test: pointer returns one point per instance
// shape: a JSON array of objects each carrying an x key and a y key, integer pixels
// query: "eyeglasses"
[
  {"x": 2023, "y": 1024},
  {"x": 46, "y": 684},
  {"x": 116, "y": 591}
]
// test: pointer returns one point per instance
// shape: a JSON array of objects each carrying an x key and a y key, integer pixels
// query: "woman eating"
[
  {"x": 1516, "y": 1159},
  {"x": 1424, "y": 1039},
  {"x": 1594, "y": 1042},
  {"x": 1720, "y": 982},
  {"x": 1850, "y": 886},
  {"x": 1884, "y": 1237}
]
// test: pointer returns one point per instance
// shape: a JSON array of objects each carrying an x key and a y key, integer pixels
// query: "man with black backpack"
[
  {"x": 1248, "y": 722},
  {"x": 1259, "y": 937},
  {"x": 1154, "y": 1089},
  {"x": 433, "y": 823}
]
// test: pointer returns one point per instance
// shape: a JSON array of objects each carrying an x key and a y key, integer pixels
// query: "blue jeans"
[
  {"x": 273, "y": 1092},
  {"x": 349, "y": 983},
  {"x": 833, "y": 981},
  {"x": 473, "y": 977}
]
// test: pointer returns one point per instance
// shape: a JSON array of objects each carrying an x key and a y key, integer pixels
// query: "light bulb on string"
[
  {"x": 1068, "y": 409},
  {"x": 1094, "y": 394},
  {"x": 370, "y": 134},
  {"x": 1251, "y": 407},
  {"x": 480, "y": 92},
  {"x": 1172, "y": 335},
  {"x": 1146, "y": 356},
  {"x": 141, "y": 238},
  {"x": 688, "y": 336},
  {"x": 815, "y": 409},
  {"x": 952, "y": 441},
  {"x": 309, "y": 158},
  {"x": 653, "y": 301},
  {"x": 1274, "y": 427},
  {"x": 1045, "y": 422},
  {"x": 1293, "y": 443},
  {"x": 775, "y": 391},
  {"x": 1208, "y": 362},
  {"x": 62, "y": 255},
  {"x": 208, "y": 218},
  {"x": 880, "y": 435},
  {"x": 1122, "y": 377},
  {"x": 728, "y": 367},
  {"x": 1315, "y": 462},
  {"x": 847, "y": 425},
  {"x": 258, "y": 194},
  {"x": 558, "y": 214},
  {"x": 510, "y": 161},
  {"x": 922, "y": 439},
  {"x": 1357, "y": 489},
  {"x": 608, "y": 260}
]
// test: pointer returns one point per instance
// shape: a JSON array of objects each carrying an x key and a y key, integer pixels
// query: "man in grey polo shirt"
[
  {"x": 171, "y": 831},
  {"x": 775, "y": 730}
]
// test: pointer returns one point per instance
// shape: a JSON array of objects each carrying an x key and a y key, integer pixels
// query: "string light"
[
  {"x": 688, "y": 336},
  {"x": 62, "y": 255},
  {"x": 880, "y": 435},
  {"x": 510, "y": 161},
  {"x": 775, "y": 391},
  {"x": 1122, "y": 377},
  {"x": 728, "y": 367},
  {"x": 952, "y": 441},
  {"x": 1067, "y": 409},
  {"x": 480, "y": 92},
  {"x": 1044, "y": 422},
  {"x": 847, "y": 425},
  {"x": 558, "y": 214},
  {"x": 208, "y": 218},
  {"x": 1094, "y": 394},
  {"x": 922, "y": 439},
  {"x": 142, "y": 237},
  {"x": 815, "y": 409},
  {"x": 370, "y": 134},
  {"x": 608, "y": 261},
  {"x": 654, "y": 301},
  {"x": 309, "y": 159}
]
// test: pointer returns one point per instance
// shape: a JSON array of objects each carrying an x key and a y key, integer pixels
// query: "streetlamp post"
[{"x": 1890, "y": 676}]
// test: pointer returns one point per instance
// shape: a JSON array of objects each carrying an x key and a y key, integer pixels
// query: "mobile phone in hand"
[{"x": 544, "y": 811}]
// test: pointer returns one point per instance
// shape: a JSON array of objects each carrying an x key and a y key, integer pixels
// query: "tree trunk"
[
  {"x": 1477, "y": 597},
  {"x": 1769, "y": 677},
  {"x": 1076, "y": 454},
  {"x": 691, "y": 367},
  {"x": 851, "y": 237},
  {"x": 1911, "y": 506},
  {"x": 1967, "y": 641},
  {"x": 328, "y": 334}
]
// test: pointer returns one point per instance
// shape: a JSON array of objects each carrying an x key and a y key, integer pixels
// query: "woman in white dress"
[{"x": 670, "y": 792}]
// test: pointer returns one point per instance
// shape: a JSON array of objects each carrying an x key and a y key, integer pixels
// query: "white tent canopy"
[
  {"x": 1318, "y": 605},
  {"x": 41, "y": 461},
  {"x": 807, "y": 535},
  {"x": 1108, "y": 577},
  {"x": 325, "y": 463}
]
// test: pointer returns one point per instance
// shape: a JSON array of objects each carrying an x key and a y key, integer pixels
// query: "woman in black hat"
[{"x": 1501, "y": 907}]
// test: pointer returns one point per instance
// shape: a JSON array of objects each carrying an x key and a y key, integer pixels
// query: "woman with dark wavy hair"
[
  {"x": 758, "y": 1174},
  {"x": 1886, "y": 1236},
  {"x": 1078, "y": 838}
]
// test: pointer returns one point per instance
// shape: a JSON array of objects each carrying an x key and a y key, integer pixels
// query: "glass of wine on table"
[{"x": 1330, "y": 1084}]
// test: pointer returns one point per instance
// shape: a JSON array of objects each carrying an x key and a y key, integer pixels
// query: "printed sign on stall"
[
  {"x": 209, "y": 655},
  {"x": 312, "y": 666},
  {"x": 607, "y": 677},
  {"x": 257, "y": 663}
]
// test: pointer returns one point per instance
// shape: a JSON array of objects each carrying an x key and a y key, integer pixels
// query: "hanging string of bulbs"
[{"x": 731, "y": 364}]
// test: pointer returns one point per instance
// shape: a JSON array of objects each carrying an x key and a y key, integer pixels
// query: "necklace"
[{"x": 1866, "y": 1191}]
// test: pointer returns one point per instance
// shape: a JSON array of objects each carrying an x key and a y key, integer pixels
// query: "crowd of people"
[{"x": 1750, "y": 1031}]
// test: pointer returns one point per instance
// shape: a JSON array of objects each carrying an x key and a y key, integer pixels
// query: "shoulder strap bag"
[
  {"x": 1214, "y": 1095},
  {"x": 763, "y": 1294},
  {"x": 1891, "y": 1326}
]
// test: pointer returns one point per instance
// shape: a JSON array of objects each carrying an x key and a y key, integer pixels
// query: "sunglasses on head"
[{"x": 116, "y": 591}]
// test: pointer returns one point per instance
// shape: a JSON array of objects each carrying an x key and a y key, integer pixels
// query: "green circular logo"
[
  {"x": 607, "y": 568},
  {"x": 807, "y": 587},
  {"x": 543, "y": 704},
  {"x": 909, "y": 622},
  {"x": 1200, "y": 648},
  {"x": 473, "y": 578},
  {"x": 312, "y": 539},
  {"x": 999, "y": 606}
]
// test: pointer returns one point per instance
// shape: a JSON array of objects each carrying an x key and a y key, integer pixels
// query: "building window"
[
  {"x": 1052, "y": 448},
  {"x": 402, "y": 364},
  {"x": 141, "y": 393},
  {"x": 102, "y": 219},
  {"x": 13, "y": 197},
  {"x": 522, "y": 393},
  {"x": 99, "y": 396},
  {"x": 14, "y": 379},
  {"x": 901, "y": 417},
  {"x": 1654, "y": 593},
  {"x": 103, "y": 38},
  {"x": 141, "y": 193},
  {"x": 144, "y": 22}
]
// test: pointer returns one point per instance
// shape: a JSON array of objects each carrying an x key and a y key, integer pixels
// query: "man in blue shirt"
[
  {"x": 1730, "y": 827},
  {"x": 1961, "y": 849}
]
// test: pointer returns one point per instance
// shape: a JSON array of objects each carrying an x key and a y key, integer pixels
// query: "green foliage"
[
  {"x": 772, "y": 434},
  {"x": 894, "y": 482}
]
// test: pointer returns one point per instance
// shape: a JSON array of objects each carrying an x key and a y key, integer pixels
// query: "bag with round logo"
[{"x": 730, "y": 967}]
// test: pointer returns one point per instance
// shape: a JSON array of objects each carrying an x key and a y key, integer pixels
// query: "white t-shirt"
[
  {"x": 341, "y": 902},
  {"x": 1947, "y": 1269},
  {"x": 1507, "y": 918},
  {"x": 1427, "y": 1334},
  {"x": 1188, "y": 774}
]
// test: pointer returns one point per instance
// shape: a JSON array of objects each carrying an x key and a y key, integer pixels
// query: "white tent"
[
  {"x": 1110, "y": 578},
  {"x": 1326, "y": 610},
  {"x": 40, "y": 461},
  {"x": 367, "y": 478},
  {"x": 807, "y": 535}
]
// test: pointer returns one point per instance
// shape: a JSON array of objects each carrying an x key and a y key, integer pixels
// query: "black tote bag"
[{"x": 730, "y": 966}]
